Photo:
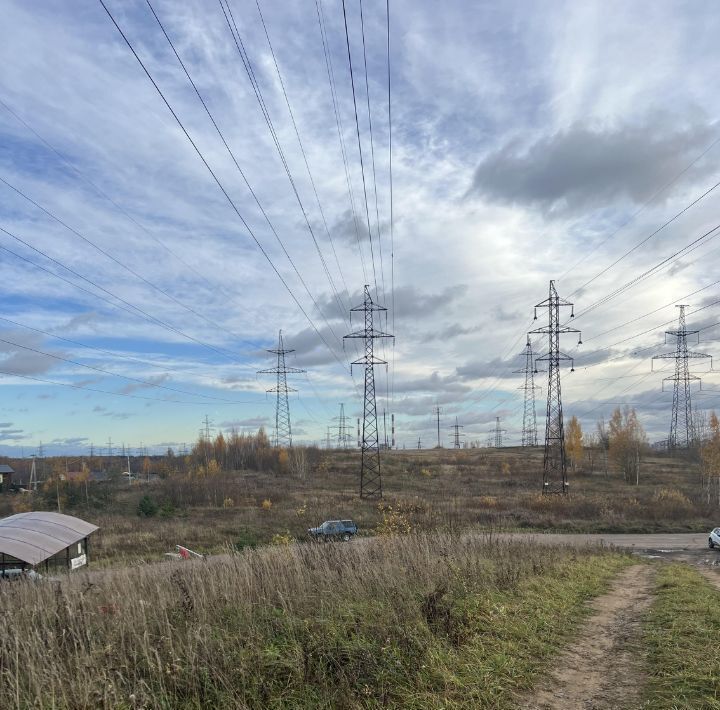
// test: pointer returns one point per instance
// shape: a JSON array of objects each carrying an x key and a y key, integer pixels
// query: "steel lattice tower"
[
  {"x": 343, "y": 428},
  {"x": 554, "y": 460},
  {"x": 370, "y": 478},
  {"x": 498, "y": 432},
  {"x": 456, "y": 433},
  {"x": 682, "y": 428},
  {"x": 529, "y": 430},
  {"x": 283, "y": 430}
]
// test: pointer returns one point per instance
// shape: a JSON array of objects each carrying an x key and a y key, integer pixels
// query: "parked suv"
[
  {"x": 334, "y": 530},
  {"x": 714, "y": 539}
]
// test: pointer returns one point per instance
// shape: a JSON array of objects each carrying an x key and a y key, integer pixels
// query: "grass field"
[
  {"x": 421, "y": 621},
  {"x": 424, "y": 490},
  {"x": 682, "y": 631}
]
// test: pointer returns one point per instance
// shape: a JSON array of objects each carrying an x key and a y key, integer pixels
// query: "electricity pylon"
[
  {"x": 497, "y": 434},
  {"x": 370, "y": 478},
  {"x": 283, "y": 430},
  {"x": 436, "y": 412},
  {"x": 682, "y": 428},
  {"x": 343, "y": 428},
  {"x": 554, "y": 459},
  {"x": 456, "y": 434},
  {"x": 529, "y": 430}
]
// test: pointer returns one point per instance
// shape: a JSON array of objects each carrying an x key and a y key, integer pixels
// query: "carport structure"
[{"x": 44, "y": 540}]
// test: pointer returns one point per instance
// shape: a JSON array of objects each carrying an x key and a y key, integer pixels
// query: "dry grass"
[
  {"x": 414, "y": 621},
  {"x": 426, "y": 490}
]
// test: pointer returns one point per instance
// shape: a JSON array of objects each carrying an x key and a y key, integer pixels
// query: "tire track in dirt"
[{"x": 603, "y": 668}]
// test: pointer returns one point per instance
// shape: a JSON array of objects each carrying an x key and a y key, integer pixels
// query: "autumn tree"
[
  {"x": 710, "y": 458},
  {"x": 626, "y": 441},
  {"x": 574, "y": 442}
]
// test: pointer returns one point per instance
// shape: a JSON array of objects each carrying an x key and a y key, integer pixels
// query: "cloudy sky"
[{"x": 530, "y": 141}]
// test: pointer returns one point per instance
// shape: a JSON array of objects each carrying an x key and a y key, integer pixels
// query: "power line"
[
  {"x": 647, "y": 239},
  {"x": 114, "y": 394},
  {"x": 338, "y": 124},
  {"x": 642, "y": 207},
  {"x": 132, "y": 309},
  {"x": 220, "y": 185},
  {"x": 359, "y": 142},
  {"x": 300, "y": 143},
  {"x": 392, "y": 224},
  {"x": 211, "y": 287},
  {"x": 372, "y": 148},
  {"x": 145, "y": 383},
  {"x": 111, "y": 353},
  {"x": 266, "y": 115},
  {"x": 117, "y": 261},
  {"x": 695, "y": 244}
]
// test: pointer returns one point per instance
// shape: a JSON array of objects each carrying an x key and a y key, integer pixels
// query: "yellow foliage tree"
[
  {"x": 574, "y": 442},
  {"x": 626, "y": 440},
  {"x": 710, "y": 459}
]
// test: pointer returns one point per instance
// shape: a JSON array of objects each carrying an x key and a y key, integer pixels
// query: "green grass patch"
[{"x": 682, "y": 630}]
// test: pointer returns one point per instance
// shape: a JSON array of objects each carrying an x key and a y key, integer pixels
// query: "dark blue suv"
[{"x": 334, "y": 530}]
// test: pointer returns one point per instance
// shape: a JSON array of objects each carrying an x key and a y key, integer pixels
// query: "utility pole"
[
  {"x": 529, "y": 430},
  {"x": 456, "y": 433},
  {"x": 283, "y": 430},
  {"x": 110, "y": 449},
  {"x": 327, "y": 439},
  {"x": 436, "y": 412},
  {"x": 370, "y": 477},
  {"x": 392, "y": 430},
  {"x": 554, "y": 459},
  {"x": 682, "y": 428},
  {"x": 419, "y": 444},
  {"x": 204, "y": 436},
  {"x": 32, "y": 483}
]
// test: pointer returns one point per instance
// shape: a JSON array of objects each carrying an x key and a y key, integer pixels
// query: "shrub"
[
  {"x": 147, "y": 507},
  {"x": 394, "y": 521},
  {"x": 282, "y": 539},
  {"x": 266, "y": 504}
]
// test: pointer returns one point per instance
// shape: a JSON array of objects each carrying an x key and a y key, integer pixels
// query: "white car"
[{"x": 714, "y": 539}]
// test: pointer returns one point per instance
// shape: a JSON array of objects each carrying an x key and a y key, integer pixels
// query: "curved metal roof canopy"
[{"x": 34, "y": 537}]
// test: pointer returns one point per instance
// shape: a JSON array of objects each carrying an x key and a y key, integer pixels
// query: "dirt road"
[
  {"x": 686, "y": 547},
  {"x": 602, "y": 668}
]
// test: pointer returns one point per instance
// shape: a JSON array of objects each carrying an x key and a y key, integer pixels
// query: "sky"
[{"x": 160, "y": 225}]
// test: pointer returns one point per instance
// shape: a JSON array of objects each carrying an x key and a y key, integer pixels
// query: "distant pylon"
[
  {"x": 498, "y": 432},
  {"x": 529, "y": 430},
  {"x": 682, "y": 428},
  {"x": 436, "y": 412},
  {"x": 554, "y": 459},
  {"x": 370, "y": 477},
  {"x": 456, "y": 433},
  {"x": 343, "y": 428},
  {"x": 283, "y": 430}
]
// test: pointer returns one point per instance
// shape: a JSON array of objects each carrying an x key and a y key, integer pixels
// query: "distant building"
[
  {"x": 6, "y": 474},
  {"x": 44, "y": 542}
]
